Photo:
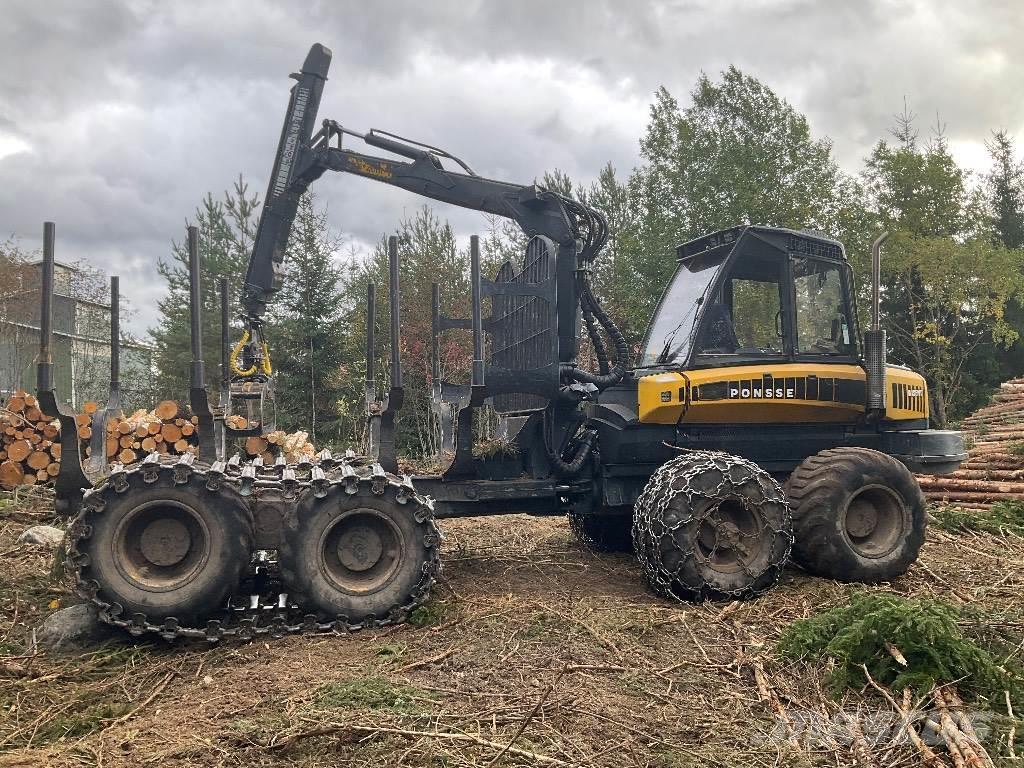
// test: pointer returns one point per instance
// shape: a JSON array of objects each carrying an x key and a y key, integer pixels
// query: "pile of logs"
[
  {"x": 167, "y": 429},
  {"x": 994, "y": 470},
  {"x": 294, "y": 446},
  {"x": 29, "y": 443}
]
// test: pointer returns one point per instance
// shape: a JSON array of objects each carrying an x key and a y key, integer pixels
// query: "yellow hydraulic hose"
[
  {"x": 238, "y": 351},
  {"x": 265, "y": 364}
]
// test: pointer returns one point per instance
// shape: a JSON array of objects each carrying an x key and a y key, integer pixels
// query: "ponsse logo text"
[
  {"x": 811, "y": 387},
  {"x": 745, "y": 393}
]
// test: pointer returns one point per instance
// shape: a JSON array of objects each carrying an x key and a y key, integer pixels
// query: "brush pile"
[{"x": 994, "y": 470}]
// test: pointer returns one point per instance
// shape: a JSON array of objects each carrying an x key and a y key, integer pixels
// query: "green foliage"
[
  {"x": 428, "y": 253},
  {"x": 372, "y": 693},
  {"x": 927, "y": 632},
  {"x": 226, "y": 230},
  {"x": 738, "y": 154},
  {"x": 309, "y": 332},
  {"x": 431, "y": 614},
  {"x": 948, "y": 282},
  {"x": 1017, "y": 449},
  {"x": 1001, "y": 518}
]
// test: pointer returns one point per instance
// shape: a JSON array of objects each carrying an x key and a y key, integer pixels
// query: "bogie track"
[{"x": 125, "y": 558}]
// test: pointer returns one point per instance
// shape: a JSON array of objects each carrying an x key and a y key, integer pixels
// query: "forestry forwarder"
[{"x": 752, "y": 372}]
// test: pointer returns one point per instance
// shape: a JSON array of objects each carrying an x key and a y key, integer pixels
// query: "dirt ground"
[{"x": 533, "y": 651}]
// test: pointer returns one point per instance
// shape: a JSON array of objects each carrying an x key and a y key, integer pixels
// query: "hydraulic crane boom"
[
  {"x": 302, "y": 157},
  {"x": 576, "y": 231}
]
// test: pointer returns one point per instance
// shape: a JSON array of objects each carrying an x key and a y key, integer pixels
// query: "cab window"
[
  {"x": 744, "y": 317},
  {"x": 822, "y": 327}
]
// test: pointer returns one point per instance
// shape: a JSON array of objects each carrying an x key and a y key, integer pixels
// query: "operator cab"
[{"x": 754, "y": 294}]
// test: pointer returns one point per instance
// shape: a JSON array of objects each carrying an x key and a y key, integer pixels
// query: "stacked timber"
[
  {"x": 167, "y": 429},
  {"x": 994, "y": 470},
  {"x": 294, "y": 446},
  {"x": 29, "y": 443}
]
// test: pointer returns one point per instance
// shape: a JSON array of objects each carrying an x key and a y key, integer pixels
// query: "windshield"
[{"x": 671, "y": 331}]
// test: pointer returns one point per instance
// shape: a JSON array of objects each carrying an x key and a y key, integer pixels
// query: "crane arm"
[{"x": 302, "y": 157}]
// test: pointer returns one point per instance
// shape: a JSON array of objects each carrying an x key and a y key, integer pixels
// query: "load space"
[{"x": 757, "y": 421}]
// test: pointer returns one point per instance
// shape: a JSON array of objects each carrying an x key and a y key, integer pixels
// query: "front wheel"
[
  {"x": 859, "y": 515},
  {"x": 711, "y": 525}
]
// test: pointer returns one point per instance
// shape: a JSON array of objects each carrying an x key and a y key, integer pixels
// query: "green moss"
[
  {"x": 929, "y": 633},
  {"x": 431, "y": 614},
  {"x": 369, "y": 693},
  {"x": 1001, "y": 518}
]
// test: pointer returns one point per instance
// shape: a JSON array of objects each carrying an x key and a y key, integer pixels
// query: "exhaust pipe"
[{"x": 874, "y": 339}]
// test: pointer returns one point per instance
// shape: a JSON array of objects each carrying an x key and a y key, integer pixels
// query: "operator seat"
[{"x": 719, "y": 334}]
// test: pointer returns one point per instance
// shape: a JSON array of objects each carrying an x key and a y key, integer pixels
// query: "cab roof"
[{"x": 781, "y": 238}]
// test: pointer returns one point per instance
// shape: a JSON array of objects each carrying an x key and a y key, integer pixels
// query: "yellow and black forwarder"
[{"x": 757, "y": 421}]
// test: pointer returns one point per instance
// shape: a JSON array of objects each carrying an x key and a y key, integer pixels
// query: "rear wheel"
[
  {"x": 711, "y": 525},
  {"x": 603, "y": 532},
  {"x": 362, "y": 555},
  {"x": 167, "y": 549},
  {"x": 859, "y": 515}
]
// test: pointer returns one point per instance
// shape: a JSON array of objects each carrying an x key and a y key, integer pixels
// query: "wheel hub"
[
  {"x": 361, "y": 550},
  {"x": 861, "y": 519},
  {"x": 161, "y": 545},
  {"x": 165, "y": 542},
  {"x": 875, "y": 521},
  {"x": 723, "y": 538},
  {"x": 360, "y": 547}
]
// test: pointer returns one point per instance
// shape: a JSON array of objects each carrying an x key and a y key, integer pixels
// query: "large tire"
[
  {"x": 167, "y": 549},
  {"x": 711, "y": 526},
  {"x": 858, "y": 514},
  {"x": 362, "y": 555},
  {"x": 603, "y": 532}
]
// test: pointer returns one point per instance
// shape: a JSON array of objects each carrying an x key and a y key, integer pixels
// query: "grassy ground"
[{"x": 530, "y": 640}]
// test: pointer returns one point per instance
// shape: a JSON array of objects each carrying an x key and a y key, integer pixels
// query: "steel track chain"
[
  {"x": 655, "y": 525},
  {"x": 269, "y": 615}
]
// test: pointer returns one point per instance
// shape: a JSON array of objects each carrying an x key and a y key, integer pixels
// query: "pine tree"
[
  {"x": 226, "y": 230},
  {"x": 309, "y": 332},
  {"x": 1004, "y": 187}
]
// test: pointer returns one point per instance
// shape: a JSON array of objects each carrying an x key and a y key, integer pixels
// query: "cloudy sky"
[{"x": 117, "y": 117}]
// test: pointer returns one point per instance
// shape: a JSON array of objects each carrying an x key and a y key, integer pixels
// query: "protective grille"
[{"x": 523, "y": 327}]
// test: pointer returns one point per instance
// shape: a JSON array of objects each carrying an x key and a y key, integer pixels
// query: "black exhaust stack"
[
  {"x": 874, "y": 339},
  {"x": 71, "y": 480}
]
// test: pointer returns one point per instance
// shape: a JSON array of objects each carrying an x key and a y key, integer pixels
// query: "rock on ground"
[
  {"x": 73, "y": 627},
  {"x": 43, "y": 535}
]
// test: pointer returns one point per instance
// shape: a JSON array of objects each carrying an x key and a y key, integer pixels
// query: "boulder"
[
  {"x": 76, "y": 626},
  {"x": 43, "y": 536}
]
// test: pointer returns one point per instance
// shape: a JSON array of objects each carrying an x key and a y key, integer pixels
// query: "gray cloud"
[{"x": 116, "y": 118}]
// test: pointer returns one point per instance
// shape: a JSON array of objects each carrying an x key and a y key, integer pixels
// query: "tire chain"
[
  {"x": 272, "y": 617},
  {"x": 675, "y": 478}
]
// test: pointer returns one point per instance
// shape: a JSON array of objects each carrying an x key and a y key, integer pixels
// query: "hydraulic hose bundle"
[{"x": 592, "y": 228}]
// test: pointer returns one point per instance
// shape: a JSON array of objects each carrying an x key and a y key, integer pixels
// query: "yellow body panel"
[{"x": 774, "y": 394}]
